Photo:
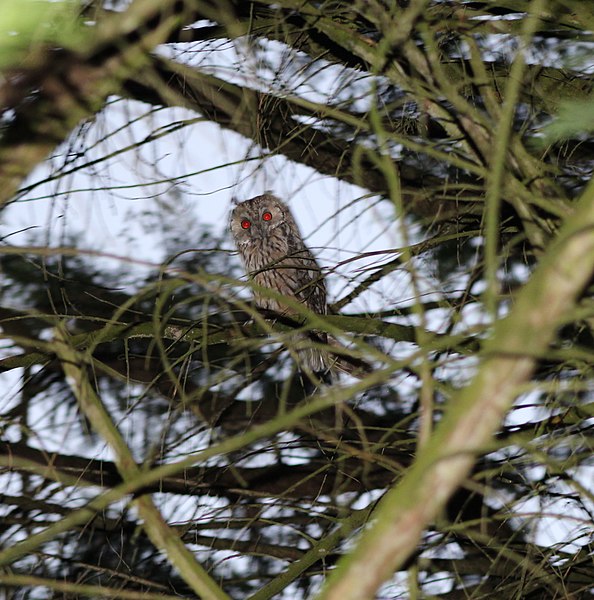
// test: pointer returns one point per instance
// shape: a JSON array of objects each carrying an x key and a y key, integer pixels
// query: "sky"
[{"x": 117, "y": 210}]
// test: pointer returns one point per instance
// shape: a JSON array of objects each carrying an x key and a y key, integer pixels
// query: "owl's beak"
[{"x": 258, "y": 231}]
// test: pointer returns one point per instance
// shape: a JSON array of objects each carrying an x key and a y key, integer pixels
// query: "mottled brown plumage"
[{"x": 276, "y": 257}]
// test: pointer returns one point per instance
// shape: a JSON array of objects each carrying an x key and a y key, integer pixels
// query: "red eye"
[
  {"x": 245, "y": 224},
  {"x": 267, "y": 216}
]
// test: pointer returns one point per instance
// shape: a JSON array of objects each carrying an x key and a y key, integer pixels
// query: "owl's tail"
[
  {"x": 317, "y": 362},
  {"x": 326, "y": 365}
]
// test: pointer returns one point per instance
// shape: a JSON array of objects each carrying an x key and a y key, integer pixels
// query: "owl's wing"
[{"x": 311, "y": 289}]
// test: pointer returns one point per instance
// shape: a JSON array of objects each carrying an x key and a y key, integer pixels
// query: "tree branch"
[{"x": 476, "y": 413}]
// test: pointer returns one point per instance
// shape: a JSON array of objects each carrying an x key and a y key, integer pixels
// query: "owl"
[{"x": 275, "y": 257}]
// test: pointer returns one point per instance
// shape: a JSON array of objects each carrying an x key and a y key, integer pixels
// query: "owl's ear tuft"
[{"x": 234, "y": 200}]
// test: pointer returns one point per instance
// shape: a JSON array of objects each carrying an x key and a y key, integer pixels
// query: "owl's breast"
[{"x": 267, "y": 250}]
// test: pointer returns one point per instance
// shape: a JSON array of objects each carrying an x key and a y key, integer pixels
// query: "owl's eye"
[
  {"x": 267, "y": 216},
  {"x": 246, "y": 223}
]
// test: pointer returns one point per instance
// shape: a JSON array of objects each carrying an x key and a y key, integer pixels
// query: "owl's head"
[{"x": 258, "y": 218}]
